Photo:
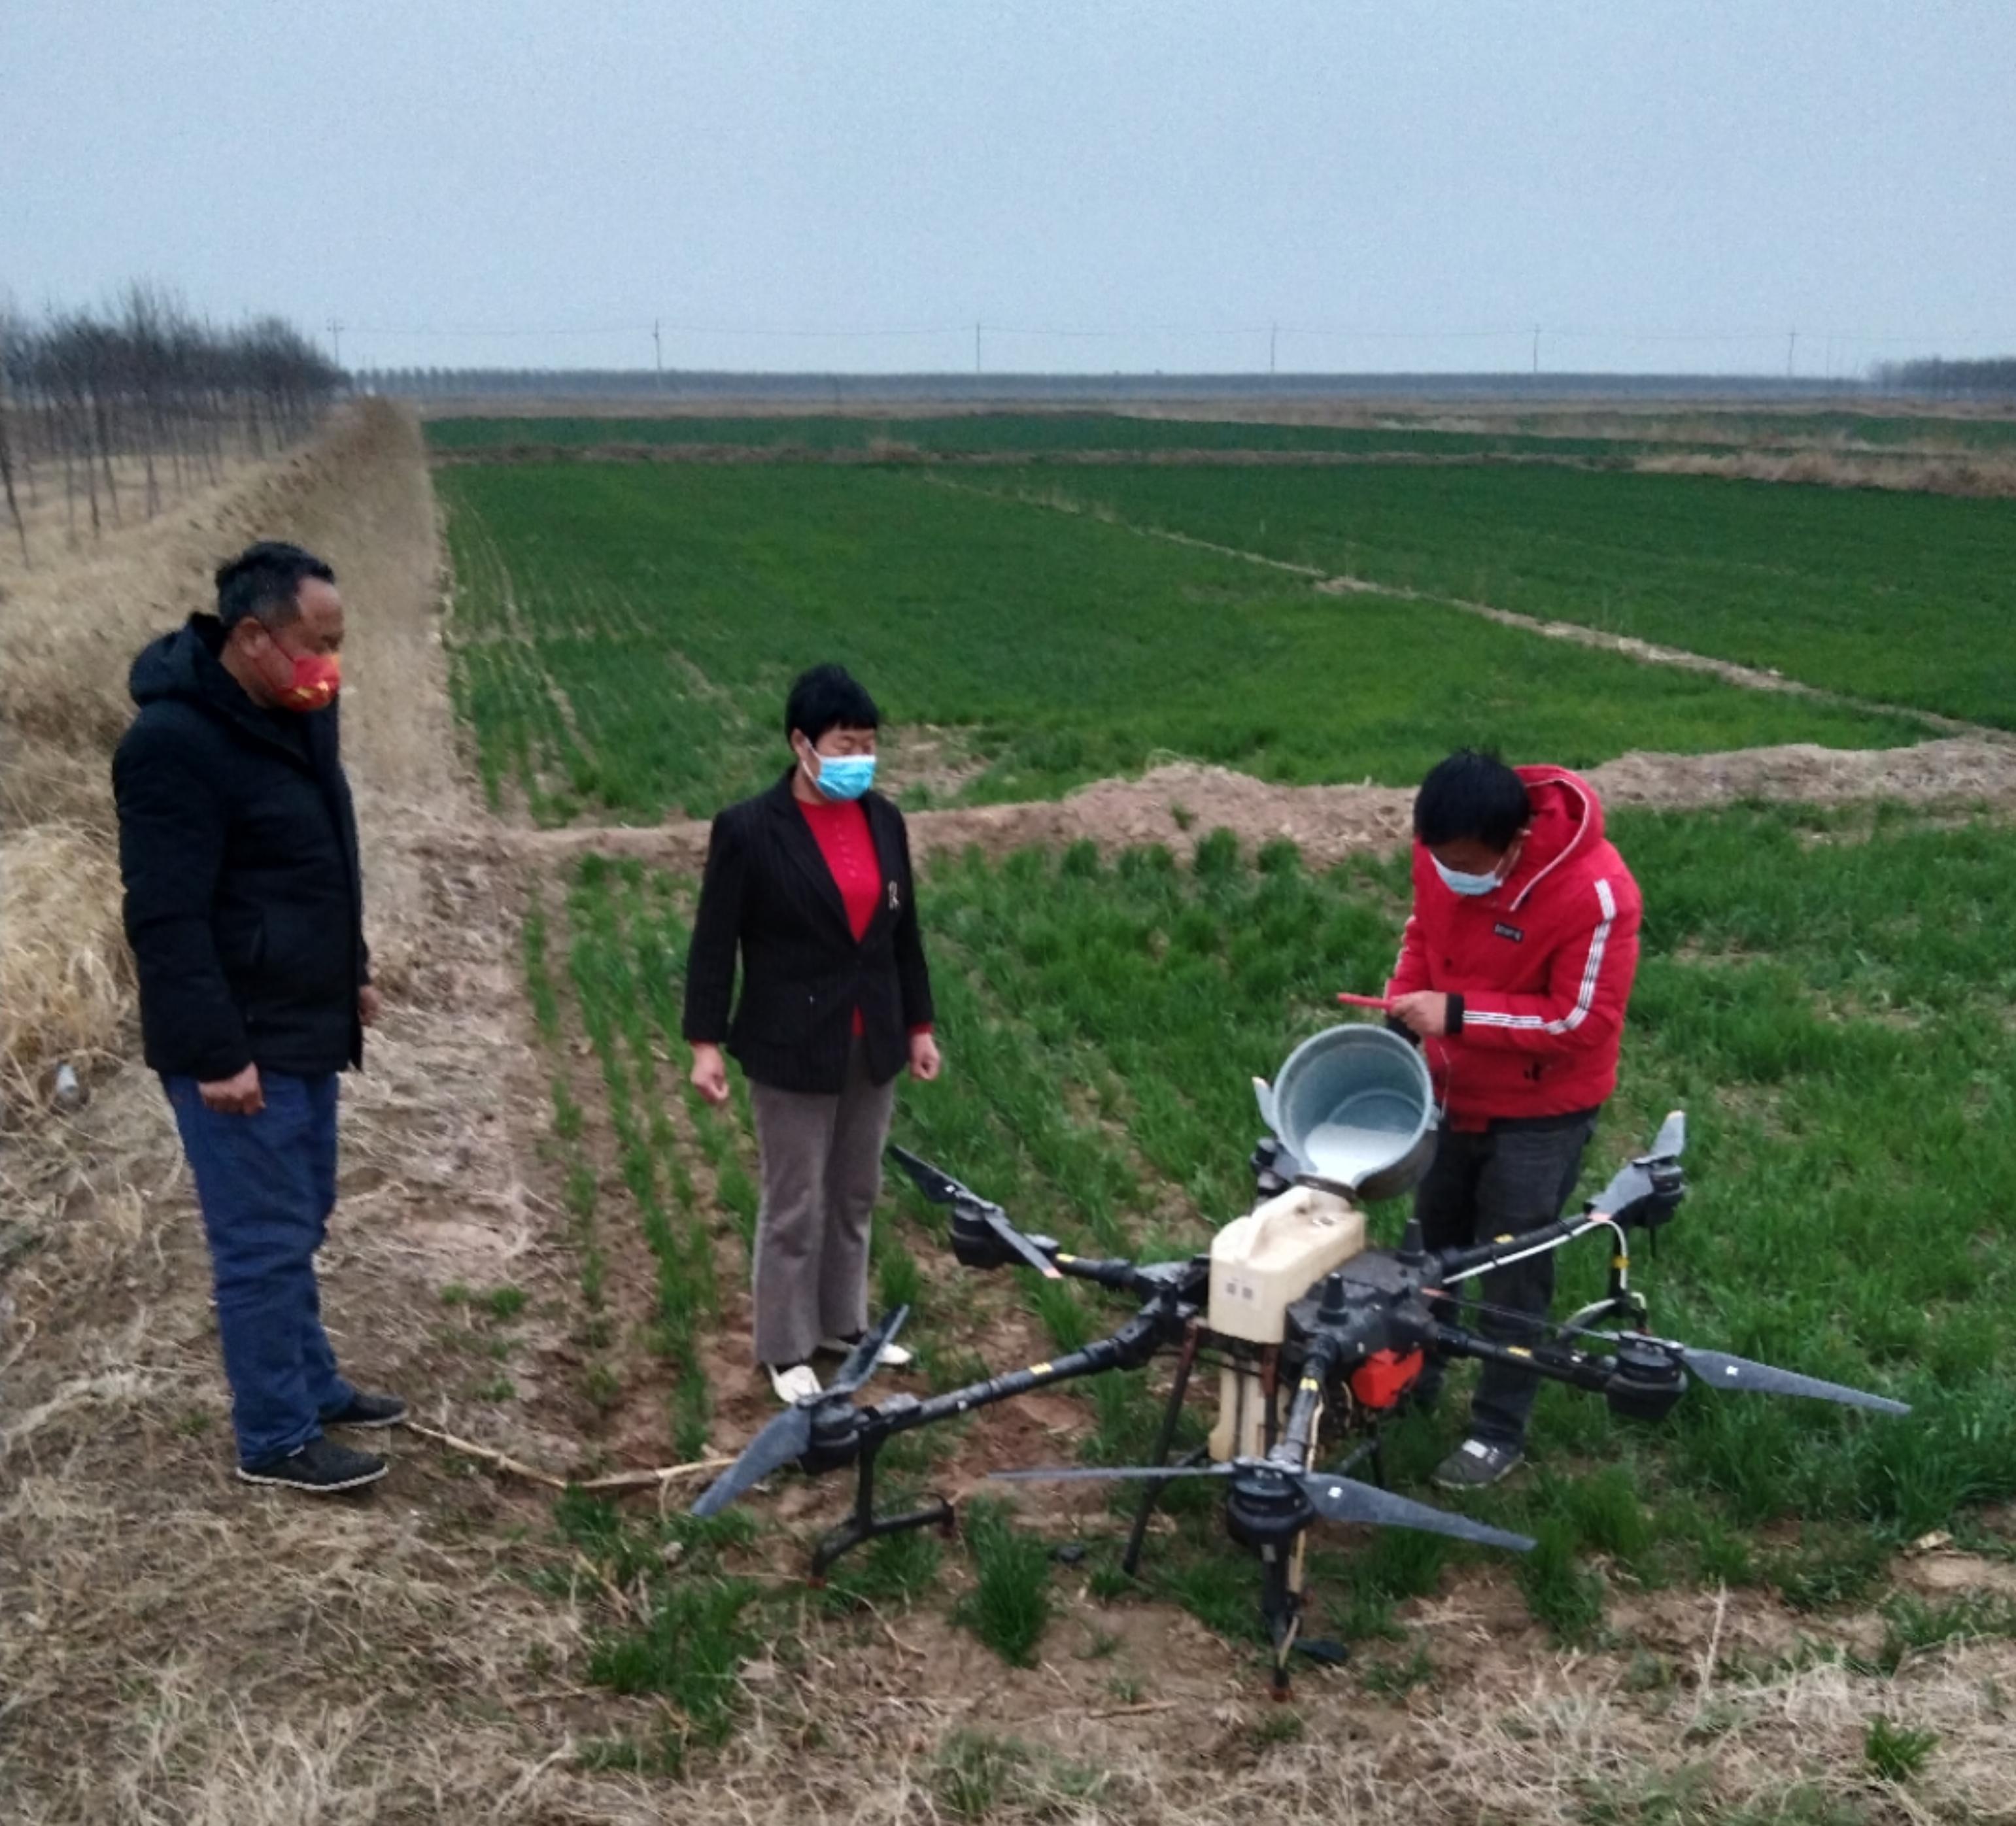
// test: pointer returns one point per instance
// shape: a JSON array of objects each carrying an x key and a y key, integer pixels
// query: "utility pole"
[
  {"x": 336, "y": 339},
  {"x": 657, "y": 354},
  {"x": 1273, "y": 335},
  {"x": 1536, "y": 348},
  {"x": 1791, "y": 348},
  {"x": 976, "y": 348}
]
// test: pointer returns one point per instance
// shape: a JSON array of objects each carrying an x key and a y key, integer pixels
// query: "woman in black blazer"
[{"x": 811, "y": 881}]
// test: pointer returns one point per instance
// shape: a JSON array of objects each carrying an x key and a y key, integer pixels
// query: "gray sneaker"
[{"x": 1477, "y": 1464}]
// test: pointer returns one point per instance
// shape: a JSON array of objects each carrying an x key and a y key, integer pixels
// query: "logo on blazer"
[{"x": 1502, "y": 930}]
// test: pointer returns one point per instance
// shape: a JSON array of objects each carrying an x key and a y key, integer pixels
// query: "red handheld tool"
[{"x": 1382, "y": 1003}]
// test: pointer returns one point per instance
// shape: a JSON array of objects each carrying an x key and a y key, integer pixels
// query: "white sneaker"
[
  {"x": 798, "y": 1383},
  {"x": 889, "y": 1356}
]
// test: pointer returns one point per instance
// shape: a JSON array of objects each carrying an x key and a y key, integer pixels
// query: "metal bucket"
[{"x": 1354, "y": 1107}]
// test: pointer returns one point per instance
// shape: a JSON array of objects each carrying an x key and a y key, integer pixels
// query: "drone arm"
[
  {"x": 1129, "y": 1347},
  {"x": 1114, "y": 1271},
  {"x": 1577, "y": 1368},
  {"x": 1463, "y": 1264},
  {"x": 1306, "y": 1410}
]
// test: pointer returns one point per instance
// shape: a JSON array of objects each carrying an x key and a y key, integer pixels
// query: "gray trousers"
[
  {"x": 1501, "y": 1182},
  {"x": 822, "y": 1167}
]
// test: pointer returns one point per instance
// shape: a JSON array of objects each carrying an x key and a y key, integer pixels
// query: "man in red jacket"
[{"x": 1514, "y": 971}]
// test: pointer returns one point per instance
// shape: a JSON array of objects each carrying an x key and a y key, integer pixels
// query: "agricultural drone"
[{"x": 1318, "y": 1339}]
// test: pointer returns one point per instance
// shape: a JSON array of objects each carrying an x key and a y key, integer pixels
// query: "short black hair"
[
  {"x": 828, "y": 697},
  {"x": 265, "y": 580},
  {"x": 1471, "y": 795}
]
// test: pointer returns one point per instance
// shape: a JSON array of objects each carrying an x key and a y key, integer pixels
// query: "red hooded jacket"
[{"x": 1544, "y": 964}]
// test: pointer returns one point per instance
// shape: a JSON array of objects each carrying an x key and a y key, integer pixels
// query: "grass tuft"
[{"x": 1010, "y": 1606}]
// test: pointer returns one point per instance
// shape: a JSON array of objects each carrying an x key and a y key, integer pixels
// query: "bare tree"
[
  {"x": 146, "y": 383},
  {"x": 11, "y": 349}
]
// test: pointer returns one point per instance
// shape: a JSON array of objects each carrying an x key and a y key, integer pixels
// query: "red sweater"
[
  {"x": 840, "y": 827},
  {"x": 1544, "y": 964}
]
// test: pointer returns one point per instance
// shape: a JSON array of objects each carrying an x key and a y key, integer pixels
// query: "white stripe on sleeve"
[{"x": 1584, "y": 997}]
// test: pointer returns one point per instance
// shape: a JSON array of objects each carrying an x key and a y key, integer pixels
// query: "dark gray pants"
[
  {"x": 822, "y": 1167},
  {"x": 1502, "y": 1182}
]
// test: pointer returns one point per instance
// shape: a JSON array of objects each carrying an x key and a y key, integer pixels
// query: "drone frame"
[{"x": 1380, "y": 1301}]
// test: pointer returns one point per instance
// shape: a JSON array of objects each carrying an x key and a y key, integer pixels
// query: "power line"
[{"x": 1273, "y": 331}]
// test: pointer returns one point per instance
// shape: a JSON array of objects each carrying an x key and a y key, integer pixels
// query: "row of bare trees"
[
  {"x": 117, "y": 406},
  {"x": 1994, "y": 379}
]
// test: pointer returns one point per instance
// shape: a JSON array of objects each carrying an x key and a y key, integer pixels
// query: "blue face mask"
[
  {"x": 1459, "y": 881},
  {"x": 845, "y": 776}
]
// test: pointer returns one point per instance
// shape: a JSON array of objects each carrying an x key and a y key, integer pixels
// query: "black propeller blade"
[
  {"x": 1337, "y": 1499},
  {"x": 1717, "y": 1369},
  {"x": 1344, "y": 1499},
  {"x": 789, "y": 1436},
  {"x": 861, "y": 1361},
  {"x": 786, "y": 1438},
  {"x": 941, "y": 1188},
  {"x": 936, "y": 1184},
  {"x": 1635, "y": 1180}
]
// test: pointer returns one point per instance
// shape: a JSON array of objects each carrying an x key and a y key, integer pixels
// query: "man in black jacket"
[{"x": 244, "y": 907}]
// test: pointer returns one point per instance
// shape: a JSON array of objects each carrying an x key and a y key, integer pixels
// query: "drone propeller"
[
  {"x": 1636, "y": 1180},
  {"x": 789, "y": 1436},
  {"x": 941, "y": 1188},
  {"x": 1717, "y": 1369},
  {"x": 933, "y": 1182},
  {"x": 1336, "y": 1499}
]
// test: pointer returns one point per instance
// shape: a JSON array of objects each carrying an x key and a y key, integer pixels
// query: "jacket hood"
[
  {"x": 1567, "y": 821},
  {"x": 183, "y": 664}
]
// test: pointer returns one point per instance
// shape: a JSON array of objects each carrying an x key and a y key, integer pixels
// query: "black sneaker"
[
  {"x": 1477, "y": 1464},
  {"x": 320, "y": 1468},
  {"x": 369, "y": 1411}
]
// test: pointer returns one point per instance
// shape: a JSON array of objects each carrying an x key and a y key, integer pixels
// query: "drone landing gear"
[
  {"x": 864, "y": 1525},
  {"x": 1130, "y": 1561},
  {"x": 1281, "y": 1608}
]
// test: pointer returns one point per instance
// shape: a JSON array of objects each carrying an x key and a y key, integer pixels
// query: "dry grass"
[
  {"x": 1915, "y": 473},
  {"x": 65, "y": 975},
  {"x": 68, "y": 634}
]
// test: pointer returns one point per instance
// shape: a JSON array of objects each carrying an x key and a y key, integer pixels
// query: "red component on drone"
[{"x": 1385, "y": 1377}]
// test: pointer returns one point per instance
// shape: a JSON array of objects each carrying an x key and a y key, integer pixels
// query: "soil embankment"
[{"x": 1179, "y": 803}]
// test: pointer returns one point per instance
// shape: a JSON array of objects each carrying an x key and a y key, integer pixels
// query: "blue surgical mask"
[
  {"x": 1459, "y": 881},
  {"x": 845, "y": 776}
]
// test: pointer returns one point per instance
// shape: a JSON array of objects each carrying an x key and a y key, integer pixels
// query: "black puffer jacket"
[{"x": 244, "y": 903}]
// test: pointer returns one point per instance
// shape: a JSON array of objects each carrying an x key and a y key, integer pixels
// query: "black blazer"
[{"x": 769, "y": 890}]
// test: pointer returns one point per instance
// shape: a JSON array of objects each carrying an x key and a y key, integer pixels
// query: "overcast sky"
[{"x": 1672, "y": 186}]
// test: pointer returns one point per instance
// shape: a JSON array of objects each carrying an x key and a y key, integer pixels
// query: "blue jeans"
[{"x": 267, "y": 1185}]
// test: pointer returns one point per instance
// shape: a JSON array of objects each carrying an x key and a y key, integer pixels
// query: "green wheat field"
[{"x": 1831, "y": 995}]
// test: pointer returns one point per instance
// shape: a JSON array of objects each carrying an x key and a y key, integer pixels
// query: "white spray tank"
[
  {"x": 1260, "y": 1265},
  {"x": 1353, "y": 1111}
]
